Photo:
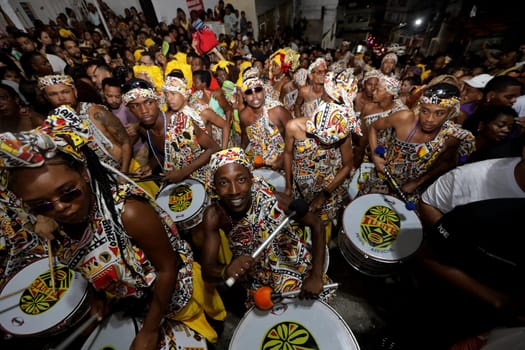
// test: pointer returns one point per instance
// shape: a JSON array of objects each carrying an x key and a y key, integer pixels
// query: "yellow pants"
[
  {"x": 205, "y": 300},
  {"x": 148, "y": 186}
]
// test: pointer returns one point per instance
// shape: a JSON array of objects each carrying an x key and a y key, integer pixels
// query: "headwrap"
[
  {"x": 62, "y": 131},
  {"x": 55, "y": 79},
  {"x": 372, "y": 73},
  {"x": 287, "y": 59},
  {"x": 444, "y": 95},
  {"x": 175, "y": 84},
  {"x": 319, "y": 62},
  {"x": 149, "y": 42},
  {"x": 341, "y": 87},
  {"x": 251, "y": 83},
  {"x": 224, "y": 65},
  {"x": 138, "y": 54},
  {"x": 227, "y": 156},
  {"x": 228, "y": 88},
  {"x": 139, "y": 92},
  {"x": 328, "y": 123},
  {"x": 390, "y": 56},
  {"x": 300, "y": 77},
  {"x": 391, "y": 85},
  {"x": 244, "y": 72}
]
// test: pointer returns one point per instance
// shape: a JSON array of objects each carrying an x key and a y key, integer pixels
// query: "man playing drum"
[
  {"x": 248, "y": 211},
  {"x": 318, "y": 148},
  {"x": 177, "y": 139},
  {"x": 424, "y": 143}
]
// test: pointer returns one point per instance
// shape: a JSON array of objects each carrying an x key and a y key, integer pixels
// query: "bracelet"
[{"x": 326, "y": 193}]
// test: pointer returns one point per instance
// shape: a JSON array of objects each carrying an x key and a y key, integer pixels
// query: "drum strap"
[{"x": 156, "y": 153}]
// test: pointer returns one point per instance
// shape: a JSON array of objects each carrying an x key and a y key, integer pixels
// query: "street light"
[{"x": 418, "y": 22}]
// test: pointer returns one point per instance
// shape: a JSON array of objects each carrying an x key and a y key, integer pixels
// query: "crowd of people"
[{"x": 94, "y": 125}]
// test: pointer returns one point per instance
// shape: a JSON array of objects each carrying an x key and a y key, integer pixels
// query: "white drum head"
[
  {"x": 116, "y": 332},
  {"x": 35, "y": 309},
  {"x": 301, "y": 324},
  {"x": 275, "y": 178},
  {"x": 382, "y": 228},
  {"x": 360, "y": 176},
  {"x": 182, "y": 200}
]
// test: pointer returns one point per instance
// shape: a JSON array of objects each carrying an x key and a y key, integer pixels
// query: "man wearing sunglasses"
[
  {"x": 424, "y": 143},
  {"x": 263, "y": 124},
  {"x": 110, "y": 138}
]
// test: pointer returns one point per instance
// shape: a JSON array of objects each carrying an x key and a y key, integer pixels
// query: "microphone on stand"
[{"x": 297, "y": 209}]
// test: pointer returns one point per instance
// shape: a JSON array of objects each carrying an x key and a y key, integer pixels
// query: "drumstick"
[
  {"x": 264, "y": 297},
  {"x": 410, "y": 205},
  {"x": 8, "y": 295},
  {"x": 300, "y": 208},
  {"x": 66, "y": 342},
  {"x": 51, "y": 267}
]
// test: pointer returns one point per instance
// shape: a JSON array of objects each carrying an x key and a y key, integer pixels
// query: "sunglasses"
[
  {"x": 255, "y": 89},
  {"x": 66, "y": 197},
  {"x": 135, "y": 84}
]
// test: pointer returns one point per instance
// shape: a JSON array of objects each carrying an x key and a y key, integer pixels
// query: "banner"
[{"x": 196, "y": 5}]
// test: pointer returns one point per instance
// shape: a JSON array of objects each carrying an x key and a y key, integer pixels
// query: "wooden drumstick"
[
  {"x": 51, "y": 267},
  {"x": 66, "y": 342},
  {"x": 9, "y": 295}
]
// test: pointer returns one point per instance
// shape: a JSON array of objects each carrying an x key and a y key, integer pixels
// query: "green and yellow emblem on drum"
[
  {"x": 39, "y": 296},
  {"x": 380, "y": 226},
  {"x": 289, "y": 335},
  {"x": 180, "y": 198}
]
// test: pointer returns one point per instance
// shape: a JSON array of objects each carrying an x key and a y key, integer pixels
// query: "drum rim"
[
  {"x": 328, "y": 307},
  {"x": 163, "y": 203},
  {"x": 82, "y": 304},
  {"x": 258, "y": 172},
  {"x": 404, "y": 211},
  {"x": 364, "y": 168}
]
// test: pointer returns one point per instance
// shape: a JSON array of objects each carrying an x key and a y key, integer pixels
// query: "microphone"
[
  {"x": 409, "y": 205},
  {"x": 298, "y": 209}
]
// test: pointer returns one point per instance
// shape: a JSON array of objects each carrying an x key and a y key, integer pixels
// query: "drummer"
[
  {"x": 178, "y": 142},
  {"x": 424, "y": 143},
  {"x": 263, "y": 123},
  {"x": 248, "y": 211},
  {"x": 318, "y": 149},
  {"x": 114, "y": 235}
]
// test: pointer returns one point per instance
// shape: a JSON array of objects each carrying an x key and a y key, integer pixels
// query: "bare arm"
[
  {"x": 117, "y": 132},
  {"x": 291, "y": 129},
  {"x": 208, "y": 115},
  {"x": 299, "y": 102},
  {"x": 144, "y": 226}
]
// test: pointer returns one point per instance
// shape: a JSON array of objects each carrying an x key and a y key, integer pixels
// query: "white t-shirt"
[
  {"x": 57, "y": 63},
  {"x": 488, "y": 179},
  {"x": 519, "y": 106}
]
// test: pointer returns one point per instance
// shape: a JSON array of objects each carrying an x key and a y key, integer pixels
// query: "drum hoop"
[
  {"x": 82, "y": 306},
  {"x": 328, "y": 307},
  {"x": 193, "y": 209},
  {"x": 354, "y": 210}
]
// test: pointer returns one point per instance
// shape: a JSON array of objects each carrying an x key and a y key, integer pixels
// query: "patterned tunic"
[
  {"x": 409, "y": 161},
  {"x": 107, "y": 257},
  {"x": 314, "y": 168},
  {"x": 265, "y": 138},
  {"x": 21, "y": 245},
  {"x": 284, "y": 263},
  {"x": 182, "y": 147}
]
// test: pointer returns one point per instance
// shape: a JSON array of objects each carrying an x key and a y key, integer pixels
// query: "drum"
[
  {"x": 184, "y": 202},
  {"x": 301, "y": 324},
  {"x": 379, "y": 234},
  {"x": 275, "y": 178},
  {"x": 118, "y": 331},
  {"x": 359, "y": 178},
  {"x": 28, "y": 306}
]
